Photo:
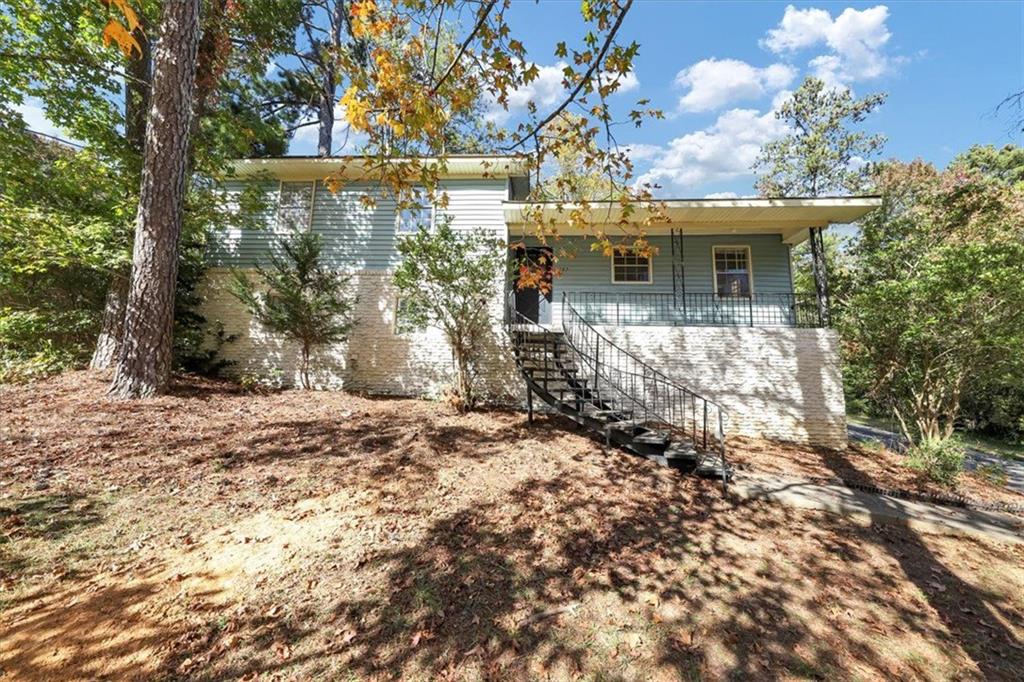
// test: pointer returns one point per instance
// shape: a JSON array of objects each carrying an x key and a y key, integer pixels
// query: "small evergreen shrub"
[
  {"x": 941, "y": 460},
  {"x": 299, "y": 297}
]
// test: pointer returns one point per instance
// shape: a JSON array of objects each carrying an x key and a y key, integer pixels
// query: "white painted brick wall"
[
  {"x": 772, "y": 381},
  {"x": 375, "y": 359},
  {"x": 776, "y": 382}
]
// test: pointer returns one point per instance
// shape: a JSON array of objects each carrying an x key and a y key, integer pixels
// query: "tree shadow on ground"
[
  {"x": 44, "y": 517},
  {"x": 974, "y": 616},
  {"x": 99, "y": 631}
]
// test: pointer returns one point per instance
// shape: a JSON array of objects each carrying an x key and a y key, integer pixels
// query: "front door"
[{"x": 531, "y": 302}]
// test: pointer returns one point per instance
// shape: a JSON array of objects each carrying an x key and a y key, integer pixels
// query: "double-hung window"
[
  {"x": 732, "y": 270},
  {"x": 419, "y": 213},
  {"x": 295, "y": 206},
  {"x": 630, "y": 268}
]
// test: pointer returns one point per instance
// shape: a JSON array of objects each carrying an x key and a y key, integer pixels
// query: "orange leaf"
[
  {"x": 115, "y": 32},
  {"x": 126, "y": 10}
]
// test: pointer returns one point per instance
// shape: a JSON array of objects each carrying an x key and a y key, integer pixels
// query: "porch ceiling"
[{"x": 789, "y": 217}]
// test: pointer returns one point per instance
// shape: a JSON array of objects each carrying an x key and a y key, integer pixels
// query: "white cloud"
[
  {"x": 714, "y": 83},
  {"x": 546, "y": 90},
  {"x": 638, "y": 151},
  {"x": 722, "y": 195},
  {"x": 798, "y": 29},
  {"x": 34, "y": 115},
  {"x": 856, "y": 38},
  {"x": 723, "y": 151}
]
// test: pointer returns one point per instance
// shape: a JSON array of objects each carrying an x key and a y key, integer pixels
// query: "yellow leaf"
[
  {"x": 129, "y": 14},
  {"x": 115, "y": 32}
]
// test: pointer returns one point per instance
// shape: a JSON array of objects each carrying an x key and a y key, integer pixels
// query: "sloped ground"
[
  {"x": 870, "y": 465},
  {"x": 213, "y": 534}
]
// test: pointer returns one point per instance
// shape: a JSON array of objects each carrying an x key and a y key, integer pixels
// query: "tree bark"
[
  {"x": 136, "y": 106},
  {"x": 136, "y": 88},
  {"x": 329, "y": 80},
  {"x": 144, "y": 362},
  {"x": 108, "y": 345},
  {"x": 325, "y": 115}
]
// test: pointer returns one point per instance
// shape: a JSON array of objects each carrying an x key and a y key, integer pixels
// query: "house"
[{"x": 712, "y": 313}]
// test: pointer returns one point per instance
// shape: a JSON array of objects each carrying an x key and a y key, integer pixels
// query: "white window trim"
[
  {"x": 312, "y": 202},
  {"x": 650, "y": 272},
  {"x": 714, "y": 265},
  {"x": 430, "y": 228}
]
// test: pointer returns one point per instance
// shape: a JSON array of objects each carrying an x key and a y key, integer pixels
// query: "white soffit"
[{"x": 789, "y": 217}]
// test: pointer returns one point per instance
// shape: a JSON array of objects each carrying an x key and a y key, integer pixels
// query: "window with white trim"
[
  {"x": 630, "y": 268},
  {"x": 413, "y": 217},
  {"x": 295, "y": 206},
  {"x": 732, "y": 270}
]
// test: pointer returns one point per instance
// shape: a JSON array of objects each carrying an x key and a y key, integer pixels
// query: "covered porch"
[{"x": 716, "y": 262}]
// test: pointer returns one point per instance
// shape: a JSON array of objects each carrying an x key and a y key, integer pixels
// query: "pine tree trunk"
[
  {"x": 144, "y": 362},
  {"x": 136, "y": 88},
  {"x": 329, "y": 81},
  {"x": 136, "y": 106},
  {"x": 304, "y": 371},
  {"x": 326, "y": 125},
  {"x": 109, "y": 342}
]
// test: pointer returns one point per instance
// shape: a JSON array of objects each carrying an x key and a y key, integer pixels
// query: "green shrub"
[
  {"x": 942, "y": 460},
  {"x": 38, "y": 342}
]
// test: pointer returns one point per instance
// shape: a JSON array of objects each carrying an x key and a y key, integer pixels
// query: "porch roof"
[{"x": 789, "y": 217}]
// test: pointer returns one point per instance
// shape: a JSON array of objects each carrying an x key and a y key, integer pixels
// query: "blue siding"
[
  {"x": 356, "y": 236},
  {"x": 586, "y": 270}
]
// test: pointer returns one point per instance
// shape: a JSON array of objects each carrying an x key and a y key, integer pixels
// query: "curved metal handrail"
[{"x": 663, "y": 400}]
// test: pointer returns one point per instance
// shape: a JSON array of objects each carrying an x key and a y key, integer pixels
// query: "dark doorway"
[{"x": 531, "y": 302}]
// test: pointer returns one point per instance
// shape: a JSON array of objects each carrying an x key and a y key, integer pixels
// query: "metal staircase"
[{"x": 601, "y": 386}]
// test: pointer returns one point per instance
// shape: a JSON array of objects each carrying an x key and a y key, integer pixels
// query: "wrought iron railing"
[
  {"x": 698, "y": 309},
  {"x": 653, "y": 397}
]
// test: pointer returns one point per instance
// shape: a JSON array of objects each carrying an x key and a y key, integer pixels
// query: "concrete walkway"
[
  {"x": 921, "y": 516},
  {"x": 1013, "y": 468}
]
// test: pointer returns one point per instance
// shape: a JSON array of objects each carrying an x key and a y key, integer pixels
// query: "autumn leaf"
[
  {"x": 127, "y": 12},
  {"x": 115, "y": 32},
  {"x": 420, "y": 636},
  {"x": 282, "y": 650}
]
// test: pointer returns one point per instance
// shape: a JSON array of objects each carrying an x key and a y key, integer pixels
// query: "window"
[
  {"x": 732, "y": 270},
  {"x": 629, "y": 268},
  {"x": 295, "y": 206},
  {"x": 411, "y": 218}
]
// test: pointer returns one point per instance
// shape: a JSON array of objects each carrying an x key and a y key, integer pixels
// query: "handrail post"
[
  {"x": 705, "y": 431},
  {"x": 721, "y": 442}
]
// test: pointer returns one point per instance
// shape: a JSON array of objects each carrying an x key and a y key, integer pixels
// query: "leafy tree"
[
  {"x": 997, "y": 402},
  {"x": 935, "y": 309},
  {"x": 52, "y": 50},
  {"x": 397, "y": 104},
  {"x": 299, "y": 298},
  {"x": 446, "y": 280},
  {"x": 821, "y": 155},
  {"x": 62, "y": 231},
  {"x": 572, "y": 177}
]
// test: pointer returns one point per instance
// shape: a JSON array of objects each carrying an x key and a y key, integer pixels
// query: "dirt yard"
[
  {"x": 213, "y": 534},
  {"x": 871, "y": 466}
]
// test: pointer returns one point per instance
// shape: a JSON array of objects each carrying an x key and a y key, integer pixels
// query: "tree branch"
[
  {"x": 587, "y": 77},
  {"x": 484, "y": 12}
]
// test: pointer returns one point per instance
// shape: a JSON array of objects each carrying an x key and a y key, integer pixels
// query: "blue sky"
[{"x": 717, "y": 68}]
